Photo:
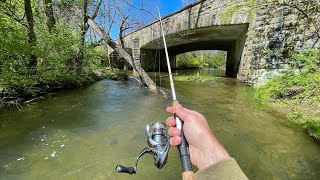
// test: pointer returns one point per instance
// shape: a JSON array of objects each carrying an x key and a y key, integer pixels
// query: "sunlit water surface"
[{"x": 85, "y": 133}]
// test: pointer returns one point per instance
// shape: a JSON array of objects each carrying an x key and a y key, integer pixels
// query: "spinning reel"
[{"x": 158, "y": 146}]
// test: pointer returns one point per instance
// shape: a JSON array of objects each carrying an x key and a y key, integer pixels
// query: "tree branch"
[
  {"x": 122, "y": 29},
  {"x": 146, "y": 80},
  {"x": 12, "y": 16},
  {"x": 140, "y": 9},
  {"x": 96, "y": 10}
]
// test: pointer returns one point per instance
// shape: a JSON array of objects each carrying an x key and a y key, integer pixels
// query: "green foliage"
[
  {"x": 299, "y": 86},
  {"x": 295, "y": 117},
  {"x": 301, "y": 80},
  {"x": 216, "y": 60},
  {"x": 246, "y": 6},
  {"x": 201, "y": 59},
  {"x": 193, "y": 78},
  {"x": 187, "y": 60},
  {"x": 54, "y": 52},
  {"x": 308, "y": 62},
  {"x": 312, "y": 125},
  {"x": 94, "y": 58}
]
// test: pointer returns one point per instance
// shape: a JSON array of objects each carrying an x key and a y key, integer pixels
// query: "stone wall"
[{"x": 276, "y": 29}]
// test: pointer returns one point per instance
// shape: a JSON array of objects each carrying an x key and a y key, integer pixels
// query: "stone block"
[
  {"x": 286, "y": 11},
  {"x": 262, "y": 11},
  {"x": 290, "y": 17},
  {"x": 261, "y": 18},
  {"x": 277, "y": 26},
  {"x": 310, "y": 43},
  {"x": 259, "y": 24},
  {"x": 290, "y": 23},
  {"x": 277, "y": 20}
]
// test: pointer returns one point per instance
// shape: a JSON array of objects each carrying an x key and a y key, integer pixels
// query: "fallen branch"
[{"x": 146, "y": 80}]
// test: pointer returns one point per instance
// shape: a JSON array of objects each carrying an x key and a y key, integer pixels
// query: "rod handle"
[
  {"x": 122, "y": 169},
  {"x": 188, "y": 175}
]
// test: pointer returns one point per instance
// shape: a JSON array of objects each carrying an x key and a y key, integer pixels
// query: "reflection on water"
[{"x": 85, "y": 133}]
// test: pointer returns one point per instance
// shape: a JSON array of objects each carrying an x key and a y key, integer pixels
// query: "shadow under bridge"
[{"x": 229, "y": 38}]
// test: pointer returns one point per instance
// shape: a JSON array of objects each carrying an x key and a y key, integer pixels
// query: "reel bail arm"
[{"x": 158, "y": 146}]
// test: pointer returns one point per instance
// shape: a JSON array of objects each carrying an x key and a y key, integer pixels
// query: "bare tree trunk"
[
  {"x": 81, "y": 48},
  {"x": 84, "y": 29},
  {"x": 51, "y": 22},
  {"x": 122, "y": 29},
  {"x": 31, "y": 34},
  {"x": 146, "y": 80}
]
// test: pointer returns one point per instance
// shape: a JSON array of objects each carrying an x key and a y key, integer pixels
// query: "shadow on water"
[{"x": 84, "y": 133}]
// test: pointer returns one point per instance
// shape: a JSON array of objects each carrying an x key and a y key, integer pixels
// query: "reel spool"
[{"x": 158, "y": 146}]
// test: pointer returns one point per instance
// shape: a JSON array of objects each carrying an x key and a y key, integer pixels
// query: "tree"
[
  {"x": 12, "y": 10},
  {"x": 31, "y": 34},
  {"x": 143, "y": 75},
  {"x": 51, "y": 22},
  {"x": 84, "y": 29}
]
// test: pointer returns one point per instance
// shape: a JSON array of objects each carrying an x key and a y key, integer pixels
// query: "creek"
[{"x": 84, "y": 133}]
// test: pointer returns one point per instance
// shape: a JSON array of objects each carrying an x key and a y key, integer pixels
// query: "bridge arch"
[
  {"x": 269, "y": 27},
  {"x": 230, "y": 38}
]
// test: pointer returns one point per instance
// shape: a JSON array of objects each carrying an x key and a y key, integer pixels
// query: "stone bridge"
[{"x": 247, "y": 34}]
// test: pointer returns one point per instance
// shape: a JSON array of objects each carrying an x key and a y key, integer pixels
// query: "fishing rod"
[
  {"x": 183, "y": 148},
  {"x": 159, "y": 140}
]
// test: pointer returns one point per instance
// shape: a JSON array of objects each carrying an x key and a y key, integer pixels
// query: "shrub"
[{"x": 299, "y": 86}]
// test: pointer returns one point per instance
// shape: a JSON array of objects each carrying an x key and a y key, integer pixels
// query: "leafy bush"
[
  {"x": 188, "y": 60},
  {"x": 299, "y": 87},
  {"x": 94, "y": 58},
  {"x": 53, "y": 51},
  {"x": 201, "y": 59},
  {"x": 301, "y": 80},
  {"x": 216, "y": 60}
]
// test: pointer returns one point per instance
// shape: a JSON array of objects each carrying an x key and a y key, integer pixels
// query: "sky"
[
  {"x": 170, "y": 6},
  {"x": 166, "y": 7}
]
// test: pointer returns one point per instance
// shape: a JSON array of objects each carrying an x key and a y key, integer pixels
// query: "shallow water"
[{"x": 85, "y": 133}]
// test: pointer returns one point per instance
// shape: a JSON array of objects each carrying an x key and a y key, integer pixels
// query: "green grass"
[
  {"x": 310, "y": 124},
  {"x": 299, "y": 90},
  {"x": 196, "y": 78}
]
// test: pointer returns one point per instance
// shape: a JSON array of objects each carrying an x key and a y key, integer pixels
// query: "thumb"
[{"x": 183, "y": 113}]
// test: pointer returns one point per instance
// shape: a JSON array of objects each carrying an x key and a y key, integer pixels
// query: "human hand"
[{"x": 205, "y": 149}]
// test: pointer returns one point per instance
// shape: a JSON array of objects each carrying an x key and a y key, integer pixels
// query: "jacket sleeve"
[{"x": 225, "y": 169}]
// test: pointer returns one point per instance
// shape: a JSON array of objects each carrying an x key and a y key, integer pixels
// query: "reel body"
[{"x": 158, "y": 141}]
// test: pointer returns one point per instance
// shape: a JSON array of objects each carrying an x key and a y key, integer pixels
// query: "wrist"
[{"x": 213, "y": 153}]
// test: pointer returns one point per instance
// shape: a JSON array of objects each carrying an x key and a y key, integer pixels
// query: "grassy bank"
[
  {"x": 196, "y": 78},
  {"x": 56, "y": 59},
  {"x": 19, "y": 88},
  {"x": 297, "y": 91}
]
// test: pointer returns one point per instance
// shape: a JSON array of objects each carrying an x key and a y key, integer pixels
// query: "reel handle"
[{"x": 122, "y": 169}]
